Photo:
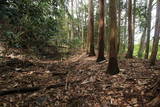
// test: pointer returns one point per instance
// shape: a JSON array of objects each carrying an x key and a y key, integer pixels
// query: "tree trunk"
[
  {"x": 72, "y": 27},
  {"x": 113, "y": 63},
  {"x": 130, "y": 32},
  {"x": 119, "y": 26},
  {"x": 156, "y": 36},
  {"x": 91, "y": 29},
  {"x": 125, "y": 30},
  {"x": 142, "y": 44},
  {"x": 148, "y": 28},
  {"x": 134, "y": 23},
  {"x": 101, "y": 32}
]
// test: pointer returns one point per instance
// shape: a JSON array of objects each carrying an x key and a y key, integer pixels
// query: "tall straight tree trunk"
[
  {"x": 91, "y": 28},
  {"x": 130, "y": 32},
  {"x": 148, "y": 28},
  {"x": 113, "y": 63},
  {"x": 119, "y": 25},
  {"x": 134, "y": 22},
  {"x": 156, "y": 36},
  {"x": 72, "y": 27},
  {"x": 143, "y": 37},
  {"x": 101, "y": 32},
  {"x": 85, "y": 31},
  {"x": 125, "y": 30},
  {"x": 107, "y": 27},
  {"x": 142, "y": 44}
]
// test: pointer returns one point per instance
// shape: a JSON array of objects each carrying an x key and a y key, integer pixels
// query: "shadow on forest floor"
[{"x": 76, "y": 82}]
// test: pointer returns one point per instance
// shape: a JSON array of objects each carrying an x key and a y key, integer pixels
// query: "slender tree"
[
  {"x": 113, "y": 63},
  {"x": 125, "y": 29},
  {"x": 142, "y": 44},
  {"x": 143, "y": 37},
  {"x": 130, "y": 32},
  {"x": 91, "y": 29},
  {"x": 72, "y": 26},
  {"x": 148, "y": 28},
  {"x": 134, "y": 22},
  {"x": 119, "y": 25},
  {"x": 101, "y": 32},
  {"x": 156, "y": 36}
]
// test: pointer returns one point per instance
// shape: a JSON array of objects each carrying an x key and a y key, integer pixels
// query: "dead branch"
[{"x": 33, "y": 89}]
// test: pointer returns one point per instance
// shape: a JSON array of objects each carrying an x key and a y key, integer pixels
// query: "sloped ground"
[{"x": 81, "y": 83}]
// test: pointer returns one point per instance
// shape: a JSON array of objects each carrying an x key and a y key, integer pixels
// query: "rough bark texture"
[
  {"x": 148, "y": 28},
  {"x": 101, "y": 32},
  {"x": 113, "y": 63},
  {"x": 142, "y": 44},
  {"x": 134, "y": 23},
  {"x": 91, "y": 29},
  {"x": 156, "y": 36},
  {"x": 119, "y": 26},
  {"x": 130, "y": 32},
  {"x": 125, "y": 30}
]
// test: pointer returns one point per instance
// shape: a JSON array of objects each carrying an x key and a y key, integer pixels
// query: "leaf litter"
[{"x": 78, "y": 82}]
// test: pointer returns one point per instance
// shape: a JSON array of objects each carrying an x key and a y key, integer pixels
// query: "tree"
[
  {"x": 143, "y": 24},
  {"x": 130, "y": 32},
  {"x": 125, "y": 28},
  {"x": 134, "y": 22},
  {"x": 148, "y": 28},
  {"x": 119, "y": 25},
  {"x": 91, "y": 29},
  {"x": 101, "y": 32},
  {"x": 113, "y": 63},
  {"x": 156, "y": 36},
  {"x": 142, "y": 44}
]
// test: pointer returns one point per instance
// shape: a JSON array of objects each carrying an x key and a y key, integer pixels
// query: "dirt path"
[{"x": 130, "y": 88}]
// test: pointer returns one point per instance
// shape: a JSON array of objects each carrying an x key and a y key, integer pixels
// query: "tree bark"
[
  {"x": 134, "y": 23},
  {"x": 130, "y": 32},
  {"x": 91, "y": 28},
  {"x": 142, "y": 44},
  {"x": 113, "y": 63},
  {"x": 125, "y": 29},
  {"x": 119, "y": 26},
  {"x": 148, "y": 28},
  {"x": 156, "y": 36},
  {"x": 101, "y": 32},
  {"x": 72, "y": 27}
]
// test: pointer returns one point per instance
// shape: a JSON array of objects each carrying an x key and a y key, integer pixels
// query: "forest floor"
[{"x": 78, "y": 81}]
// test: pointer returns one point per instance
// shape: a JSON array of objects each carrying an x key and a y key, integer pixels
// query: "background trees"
[
  {"x": 148, "y": 28},
  {"x": 130, "y": 31},
  {"x": 156, "y": 36},
  {"x": 75, "y": 24}
]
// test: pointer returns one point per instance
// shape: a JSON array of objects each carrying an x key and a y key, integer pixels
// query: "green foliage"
[
  {"x": 141, "y": 12},
  {"x": 30, "y": 24},
  {"x": 136, "y": 49}
]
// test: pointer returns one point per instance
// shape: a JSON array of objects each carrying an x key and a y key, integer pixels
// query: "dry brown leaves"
[{"x": 130, "y": 88}]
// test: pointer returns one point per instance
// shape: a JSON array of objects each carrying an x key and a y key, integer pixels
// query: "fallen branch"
[
  {"x": 59, "y": 74},
  {"x": 33, "y": 89},
  {"x": 19, "y": 90}
]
